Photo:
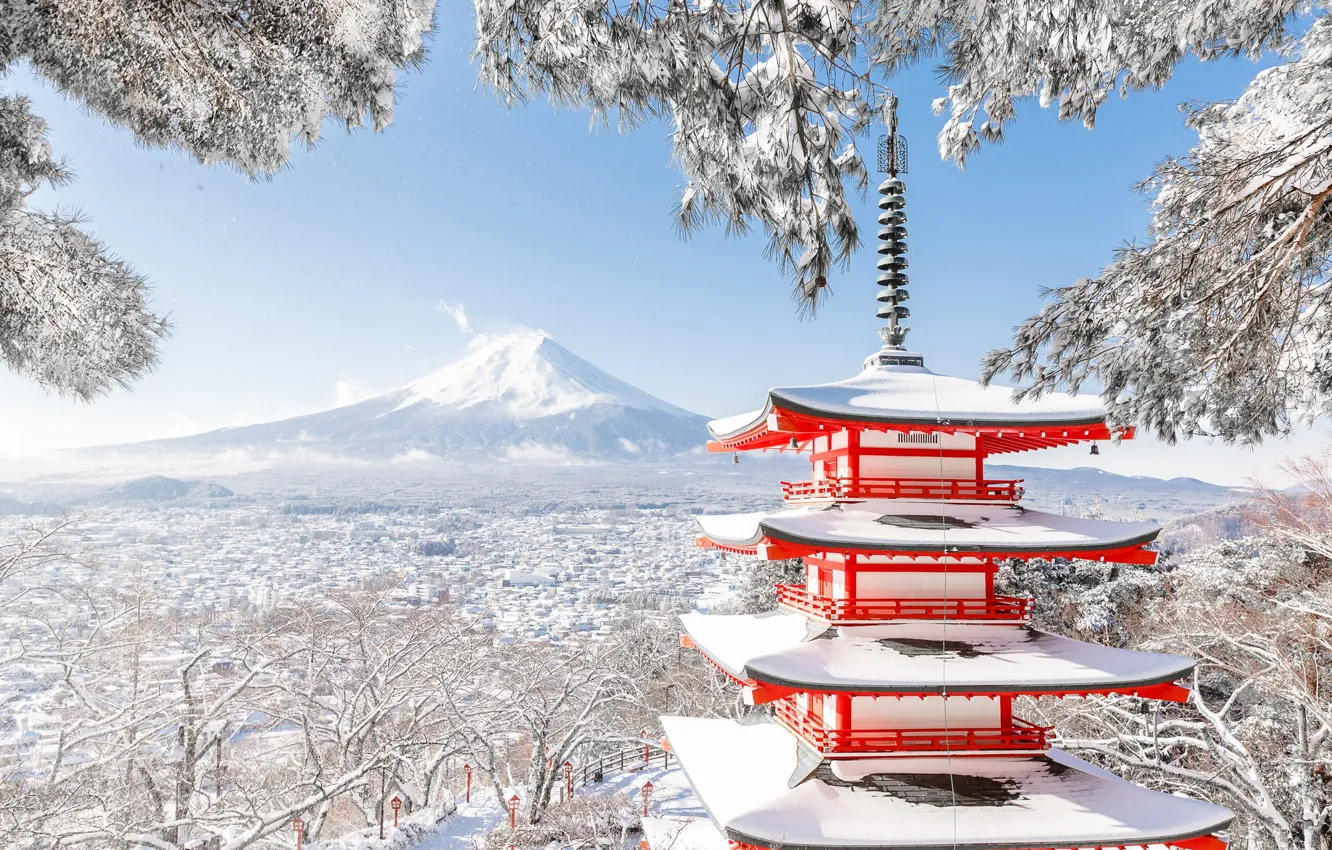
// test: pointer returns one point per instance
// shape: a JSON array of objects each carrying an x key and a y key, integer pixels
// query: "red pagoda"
[{"x": 892, "y": 672}]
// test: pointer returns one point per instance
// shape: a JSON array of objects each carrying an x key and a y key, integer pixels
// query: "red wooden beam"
[
  {"x": 1169, "y": 692},
  {"x": 782, "y": 424}
]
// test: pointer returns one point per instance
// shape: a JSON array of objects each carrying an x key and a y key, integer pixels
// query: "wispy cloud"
[{"x": 455, "y": 312}]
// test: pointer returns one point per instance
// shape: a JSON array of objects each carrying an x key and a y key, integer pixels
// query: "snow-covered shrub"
[
  {"x": 587, "y": 822},
  {"x": 410, "y": 832}
]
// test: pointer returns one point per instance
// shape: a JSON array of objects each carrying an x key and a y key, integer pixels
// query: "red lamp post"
[
  {"x": 568, "y": 781},
  {"x": 298, "y": 827},
  {"x": 396, "y": 803},
  {"x": 647, "y": 794},
  {"x": 467, "y": 769},
  {"x": 647, "y": 751},
  {"x": 513, "y": 812}
]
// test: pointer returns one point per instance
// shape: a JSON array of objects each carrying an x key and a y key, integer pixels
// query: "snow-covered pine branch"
[
  {"x": 1219, "y": 323},
  {"x": 1216, "y": 325},
  {"x": 763, "y": 97},
  {"x": 226, "y": 81}
]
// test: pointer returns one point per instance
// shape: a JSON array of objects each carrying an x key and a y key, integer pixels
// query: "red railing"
[
  {"x": 903, "y": 488},
  {"x": 798, "y": 598},
  {"x": 1021, "y": 735}
]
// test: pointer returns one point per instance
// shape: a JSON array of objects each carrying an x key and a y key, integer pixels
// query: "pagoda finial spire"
[{"x": 892, "y": 231}]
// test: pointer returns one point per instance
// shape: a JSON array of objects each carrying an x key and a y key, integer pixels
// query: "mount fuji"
[{"x": 519, "y": 397}]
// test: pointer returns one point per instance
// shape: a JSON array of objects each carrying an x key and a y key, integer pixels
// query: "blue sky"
[{"x": 321, "y": 285}]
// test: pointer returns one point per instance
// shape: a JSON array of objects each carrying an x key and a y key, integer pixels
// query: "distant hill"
[
  {"x": 158, "y": 488},
  {"x": 520, "y": 397},
  {"x": 1081, "y": 488},
  {"x": 1090, "y": 478}
]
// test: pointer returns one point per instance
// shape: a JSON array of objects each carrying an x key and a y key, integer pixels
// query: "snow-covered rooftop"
[
  {"x": 900, "y": 525},
  {"x": 921, "y": 657},
  {"x": 759, "y": 792},
  {"x": 691, "y": 834},
  {"x": 915, "y": 395}
]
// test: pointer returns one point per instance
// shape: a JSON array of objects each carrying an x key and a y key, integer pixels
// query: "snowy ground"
[
  {"x": 671, "y": 797},
  {"x": 469, "y": 822}
]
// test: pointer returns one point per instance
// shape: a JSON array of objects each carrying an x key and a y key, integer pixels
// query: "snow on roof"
[
  {"x": 921, "y": 657},
  {"x": 914, "y": 394},
  {"x": 744, "y": 775},
  {"x": 733, "y": 424},
  {"x": 901, "y": 525},
  {"x": 693, "y": 834}
]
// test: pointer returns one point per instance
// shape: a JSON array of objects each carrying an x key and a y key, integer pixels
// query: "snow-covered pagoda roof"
[
  {"x": 914, "y": 397},
  {"x": 690, "y": 834},
  {"x": 927, "y": 528},
  {"x": 783, "y": 651},
  {"x": 760, "y": 788}
]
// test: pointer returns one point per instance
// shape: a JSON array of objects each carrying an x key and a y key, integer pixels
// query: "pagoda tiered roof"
[
  {"x": 782, "y": 652},
  {"x": 933, "y": 528},
  {"x": 913, "y": 397},
  {"x": 892, "y": 669},
  {"x": 762, "y": 787}
]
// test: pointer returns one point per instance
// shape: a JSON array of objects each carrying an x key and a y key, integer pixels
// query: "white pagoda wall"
[
  {"x": 924, "y": 713},
  {"x": 895, "y": 585},
  {"x": 905, "y": 466}
]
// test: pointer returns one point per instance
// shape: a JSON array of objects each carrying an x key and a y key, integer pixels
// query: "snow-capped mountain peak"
[
  {"x": 526, "y": 376},
  {"x": 519, "y": 397}
]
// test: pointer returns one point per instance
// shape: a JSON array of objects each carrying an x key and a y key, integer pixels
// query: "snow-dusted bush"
[
  {"x": 587, "y": 822},
  {"x": 410, "y": 832}
]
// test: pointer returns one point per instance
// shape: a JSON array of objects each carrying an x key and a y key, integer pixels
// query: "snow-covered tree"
[
  {"x": 541, "y": 705},
  {"x": 763, "y": 96},
  {"x": 173, "y": 734},
  {"x": 1256, "y": 733},
  {"x": 1216, "y": 324},
  {"x": 759, "y": 591},
  {"x": 226, "y": 81},
  {"x": 1256, "y": 613},
  {"x": 39, "y": 544},
  {"x": 1086, "y": 599}
]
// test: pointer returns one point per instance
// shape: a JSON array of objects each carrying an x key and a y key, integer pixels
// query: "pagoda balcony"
[
  {"x": 1007, "y": 609},
  {"x": 948, "y": 489},
  {"x": 1019, "y": 736}
]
